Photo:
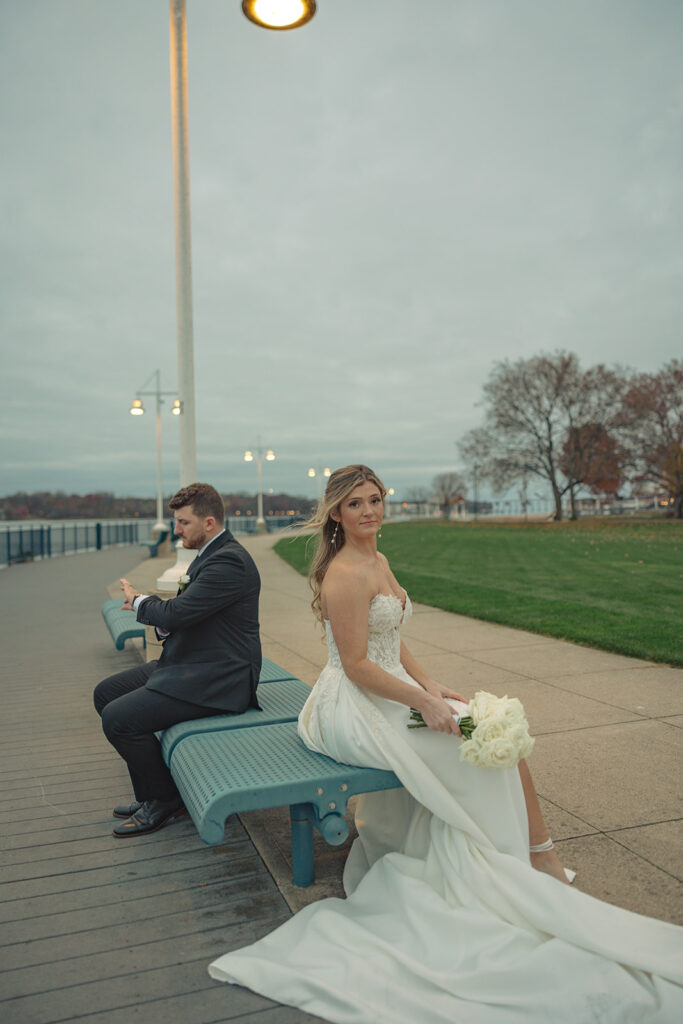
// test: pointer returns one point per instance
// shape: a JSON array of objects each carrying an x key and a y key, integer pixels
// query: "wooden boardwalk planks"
[{"x": 92, "y": 928}]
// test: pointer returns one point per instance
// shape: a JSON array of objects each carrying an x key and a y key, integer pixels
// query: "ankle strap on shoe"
[{"x": 542, "y": 847}]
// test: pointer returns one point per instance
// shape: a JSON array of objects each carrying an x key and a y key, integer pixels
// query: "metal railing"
[
  {"x": 23, "y": 542},
  {"x": 247, "y": 524},
  {"x": 28, "y": 541}
]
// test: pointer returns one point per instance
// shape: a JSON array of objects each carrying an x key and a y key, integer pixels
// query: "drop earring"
[{"x": 333, "y": 540}]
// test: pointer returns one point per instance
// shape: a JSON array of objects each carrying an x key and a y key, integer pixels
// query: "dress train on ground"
[{"x": 445, "y": 920}]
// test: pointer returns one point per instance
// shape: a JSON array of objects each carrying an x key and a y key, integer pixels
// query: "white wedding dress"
[{"x": 445, "y": 921}]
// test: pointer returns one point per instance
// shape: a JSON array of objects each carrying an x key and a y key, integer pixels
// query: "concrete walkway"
[{"x": 609, "y": 738}]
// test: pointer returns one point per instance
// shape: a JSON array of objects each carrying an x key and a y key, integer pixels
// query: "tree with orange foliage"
[
  {"x": 651, "y": 430},
  {"x": 592, "y": 455}
]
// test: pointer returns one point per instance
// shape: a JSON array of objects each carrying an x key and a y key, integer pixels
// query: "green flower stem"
[{"x": 466, "y": 723}]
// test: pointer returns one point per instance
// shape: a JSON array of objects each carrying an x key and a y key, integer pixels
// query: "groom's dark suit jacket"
[{"x": 213, "y": 654}]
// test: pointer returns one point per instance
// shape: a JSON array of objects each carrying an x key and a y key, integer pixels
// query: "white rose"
[
  {"x": 482, "y": 705},
  {"x": 501, "y": 753},
  {"x": 511, "y": 709},
  {"x": 488, "y": 730}
]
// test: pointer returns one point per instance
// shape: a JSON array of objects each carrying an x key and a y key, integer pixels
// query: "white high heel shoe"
[{"x": 549, "y": 845}]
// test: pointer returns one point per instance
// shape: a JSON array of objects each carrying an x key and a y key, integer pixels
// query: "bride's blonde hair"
[{"x": 340, "y": 484}]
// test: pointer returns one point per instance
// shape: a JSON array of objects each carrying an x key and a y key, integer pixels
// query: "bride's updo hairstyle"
[{"x": 331, "y": 532}]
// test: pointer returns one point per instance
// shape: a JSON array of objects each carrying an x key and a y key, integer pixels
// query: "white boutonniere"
[{"x": 183, "y": 581}]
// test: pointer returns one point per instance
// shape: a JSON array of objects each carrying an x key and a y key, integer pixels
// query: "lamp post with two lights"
[
  {"x": 319, "y": 474},
  {"x": 137, "y": 409},
  {"x": 269, "y": 456}
]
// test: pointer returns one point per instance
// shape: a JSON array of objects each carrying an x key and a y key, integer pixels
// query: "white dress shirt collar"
[{"x": 209, "y": 542}]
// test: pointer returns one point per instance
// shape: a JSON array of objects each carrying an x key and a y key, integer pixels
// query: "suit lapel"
[{"x": 213, "y": 547}]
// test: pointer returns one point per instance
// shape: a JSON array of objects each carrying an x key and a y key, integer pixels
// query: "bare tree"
[
  {"x": 448, "y": 489},
  {"x": 532, "y": 407},
  {"x": 652, "y": 429}
]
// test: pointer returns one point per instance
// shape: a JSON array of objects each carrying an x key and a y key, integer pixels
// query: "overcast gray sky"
[{"x": 384, "y": 203}]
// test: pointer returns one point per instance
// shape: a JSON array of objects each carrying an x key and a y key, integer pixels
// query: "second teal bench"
[{"x": 121, "y": 623}]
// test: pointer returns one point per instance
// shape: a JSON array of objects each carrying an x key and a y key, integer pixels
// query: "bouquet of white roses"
[{"x": 495, "y": 731}]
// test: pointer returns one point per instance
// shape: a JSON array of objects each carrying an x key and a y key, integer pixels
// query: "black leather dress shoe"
[
  {"x": 126, "y": 810},
  {"x": 150, "y": 816}
]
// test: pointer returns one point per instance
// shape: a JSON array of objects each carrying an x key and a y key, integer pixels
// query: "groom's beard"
[{"x": 195, "y": 543}]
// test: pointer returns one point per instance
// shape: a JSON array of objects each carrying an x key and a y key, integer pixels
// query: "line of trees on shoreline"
[
  {"x": 105, "y": 505},
  {"x": 594, "y": 431}
]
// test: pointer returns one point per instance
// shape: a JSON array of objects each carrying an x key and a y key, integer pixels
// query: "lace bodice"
[{"x": 384, "y": 632}]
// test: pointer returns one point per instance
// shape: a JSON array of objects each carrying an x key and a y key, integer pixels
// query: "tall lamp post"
[
  {"x": 273, "y": 14},
  {"x": 269, "y": 457},
  {"x": 137, "y": 409},
  {"x": 320, "y": 473}
]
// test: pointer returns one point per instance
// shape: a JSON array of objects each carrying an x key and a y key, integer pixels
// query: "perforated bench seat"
[
  {"x": 271, "y": 673},
  {"x": 253, "y": 768},
  {"x": 281, "y": 701},
  {"x": 121, "y": 623}
]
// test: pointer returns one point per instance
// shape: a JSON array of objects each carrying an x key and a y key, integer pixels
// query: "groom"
[{"x": 210, "y": 662}]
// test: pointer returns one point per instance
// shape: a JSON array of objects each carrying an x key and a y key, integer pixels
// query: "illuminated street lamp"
[
  {"x": 279, "y": 14},
  {"x": 138, "y": 409},
  {"x": 320, "y": 473},
  {"x": 269, "y": 456}
]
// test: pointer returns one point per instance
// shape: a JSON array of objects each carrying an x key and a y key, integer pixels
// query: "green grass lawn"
[{"x": 608, "y": 583}]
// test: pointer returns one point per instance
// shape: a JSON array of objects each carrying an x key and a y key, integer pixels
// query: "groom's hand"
[{"x": 129, "y": 593}]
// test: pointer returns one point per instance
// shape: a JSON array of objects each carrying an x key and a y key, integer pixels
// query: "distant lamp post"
[
  {"x": 390, "y": 493},
  {"x": 279, "y": 14},
  {"x": 138, "y": 409},
  {"x": 319, "y": 474},
  {"x": 269, "y": 456}
]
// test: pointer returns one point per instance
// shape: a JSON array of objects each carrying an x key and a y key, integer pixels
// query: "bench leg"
[{"x": 303, "y": 870}]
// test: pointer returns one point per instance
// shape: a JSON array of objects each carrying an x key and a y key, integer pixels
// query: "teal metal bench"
[
  {"x": 281, "y": 701},
  {"x": 272, "y": 673},
  {"x": 231, "y": 764},
  {"x": 121, "y": 623},
  {"x": 154, "y": 545}
]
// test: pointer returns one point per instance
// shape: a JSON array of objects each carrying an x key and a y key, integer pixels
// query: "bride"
[{"x": 446, "y": 919}]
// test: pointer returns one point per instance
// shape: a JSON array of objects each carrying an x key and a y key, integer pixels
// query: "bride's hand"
[
  {"x": 438, "y": 715},
  {"x": 446, "y": 691}
]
